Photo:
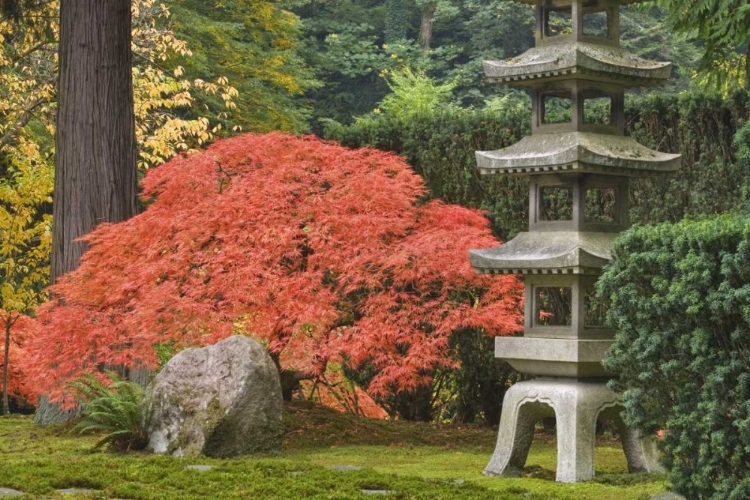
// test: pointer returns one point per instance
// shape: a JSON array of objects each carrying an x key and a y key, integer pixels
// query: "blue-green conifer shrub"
[{"x": 680, "y": 301}]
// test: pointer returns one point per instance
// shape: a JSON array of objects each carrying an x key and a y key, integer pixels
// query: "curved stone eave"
[
  {"x": 578, "y": 60},
  {"x": 546, "y": 251},
  {"x": 577, "y": 151}
]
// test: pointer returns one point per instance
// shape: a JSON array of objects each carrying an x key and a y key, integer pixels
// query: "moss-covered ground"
[{"x": 408, "y": 460}]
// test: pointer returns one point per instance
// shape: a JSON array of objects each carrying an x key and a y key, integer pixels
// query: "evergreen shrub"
[{"x": 680, "y": 301}]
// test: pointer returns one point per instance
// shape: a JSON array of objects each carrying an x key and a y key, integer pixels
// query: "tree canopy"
[
  {"x": 321, "y": 251},
  {"x": 723, "y": 27}
]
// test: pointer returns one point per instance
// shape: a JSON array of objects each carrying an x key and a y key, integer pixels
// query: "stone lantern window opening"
[
  {"x": 558, "y": 20},
  {"x": 601, "y": 205},
  {"x": 595, "y": 309},
  {"x": 578, "y": 105},
  {"x": 556, "y": 203},
  {"x": 600, "y": 107},
  {"x": 578, "y": 202},
  {"x": 597, "y": 109},
  {"x": 588, "y": 21},
  {"x": 596, "y": 23},
  {"x": 557, "y": 107},
  {"x": 563, "y": 306},
  {"x": 554, "y": 306}
]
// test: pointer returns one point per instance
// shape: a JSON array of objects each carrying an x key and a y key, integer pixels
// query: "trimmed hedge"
[{"x": 680, "y": 301}]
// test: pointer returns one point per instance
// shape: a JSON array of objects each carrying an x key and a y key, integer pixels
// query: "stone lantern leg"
[{"x": 579, "y": 163}]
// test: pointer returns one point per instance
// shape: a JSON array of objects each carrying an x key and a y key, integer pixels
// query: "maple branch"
[
  {"x": 31, "y": 50},
  {"x": 21, "y": 123},
  {"x": 222, "y": 171}
]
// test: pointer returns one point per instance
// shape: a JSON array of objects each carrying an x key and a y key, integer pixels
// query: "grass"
[{"x": 410, "y": 460}]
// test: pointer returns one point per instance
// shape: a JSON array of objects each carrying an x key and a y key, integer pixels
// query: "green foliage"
[
  {"x": 113, "y": 409},
  {"x": 701, "y": 126},
  {"x": 164, "y": 352},
  {"x": 414, "y": 93},
  {"x": 481, "y": 380},
  {"x": 396, "y": 21},
  {"x": 680, "y": 300},
  {"x": 644, "y": 31},
  {"x": 723, "y": 27},
  {"x": 350, "y": 42},
  {"x": 254, "y": 45}
]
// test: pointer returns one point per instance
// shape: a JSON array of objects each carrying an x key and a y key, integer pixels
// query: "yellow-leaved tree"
[{"x": 28, "y": 61}]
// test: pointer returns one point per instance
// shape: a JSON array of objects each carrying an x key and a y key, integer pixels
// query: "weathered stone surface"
[
  {"x": 199, "y": 468},
  {"x": 539, "y": 251},
  {"x": 585, "y": 152},
  {"x": 576, "y": 405},
  {"x": 10, "y": 492},
  {"x": 554, "y": 357},
  {"x": 566, "y": 60},
  {"x": 220, "y": 401},
  {"x": 344, "y": 468}
]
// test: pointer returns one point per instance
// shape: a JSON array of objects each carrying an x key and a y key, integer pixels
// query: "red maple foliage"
[
  {"x": 322, "y": 252},
  {"x": 18, "y": 383}
]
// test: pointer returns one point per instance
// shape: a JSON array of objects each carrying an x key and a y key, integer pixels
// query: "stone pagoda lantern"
[{"x": 578, "y": 161}]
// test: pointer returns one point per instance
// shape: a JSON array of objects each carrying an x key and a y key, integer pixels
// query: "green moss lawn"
[{"x": 407, "y": 460}]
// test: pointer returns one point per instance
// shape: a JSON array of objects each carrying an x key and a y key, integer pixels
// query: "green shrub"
[
  {"x": 114, "y": 410},
  {"x": 680, "y": 301}
]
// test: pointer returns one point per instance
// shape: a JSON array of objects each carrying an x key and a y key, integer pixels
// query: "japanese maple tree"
[{"x": 322, "y": 252}]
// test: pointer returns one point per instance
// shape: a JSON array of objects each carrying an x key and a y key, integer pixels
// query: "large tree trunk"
[
  {"x": 425, "y": 30},
  {"x": 95, "y": 157},
  {"x": 95, "y": 148}
]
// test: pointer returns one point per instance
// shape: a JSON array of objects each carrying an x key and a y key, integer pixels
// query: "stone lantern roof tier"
[
  {"x": 578, "y": 60},
  {"x": 584, "y": 152},
  {"x": 546, "y": 252}
]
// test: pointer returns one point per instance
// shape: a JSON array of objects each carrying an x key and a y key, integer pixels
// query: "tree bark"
[
  {"x": 95, "y": 157},
  {"x": 425, "y": 30}
]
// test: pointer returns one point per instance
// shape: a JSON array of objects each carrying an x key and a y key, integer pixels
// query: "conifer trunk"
[
  {"x": 95, "y": 148},
  {"x": 425, "y": 31},
  {"x": 95, "y": 158}
]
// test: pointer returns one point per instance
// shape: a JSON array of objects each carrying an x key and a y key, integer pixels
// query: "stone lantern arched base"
[{"x": 576, "y": 405}]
